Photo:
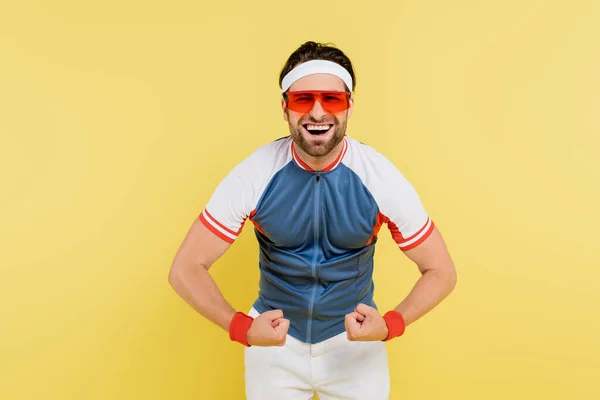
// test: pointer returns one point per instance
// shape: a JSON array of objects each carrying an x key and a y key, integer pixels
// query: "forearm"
[
  {"x": 195, "y": 285},
  {"x": 431, "y": 288}
]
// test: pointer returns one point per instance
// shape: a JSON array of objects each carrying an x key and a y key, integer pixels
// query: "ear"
[
  {"x": 351, "y": 106},
  {"x": 285, "y": 117}
]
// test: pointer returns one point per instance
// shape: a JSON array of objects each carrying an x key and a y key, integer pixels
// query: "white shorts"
[{"x": 334, "y": 369}]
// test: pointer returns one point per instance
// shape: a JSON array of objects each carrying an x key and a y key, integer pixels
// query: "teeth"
[{"x": 317, "y": 127}]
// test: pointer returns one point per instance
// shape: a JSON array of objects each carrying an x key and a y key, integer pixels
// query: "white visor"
[{"x": 316, "y": 67}]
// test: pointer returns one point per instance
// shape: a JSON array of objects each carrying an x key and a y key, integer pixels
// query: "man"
[{"x": 317, "y": 200}]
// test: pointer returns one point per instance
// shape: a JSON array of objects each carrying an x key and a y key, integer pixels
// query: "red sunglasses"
[{"x": 331, "y": 101}]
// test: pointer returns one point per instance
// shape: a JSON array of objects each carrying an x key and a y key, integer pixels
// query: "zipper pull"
[{"x": 318, "y": 177}]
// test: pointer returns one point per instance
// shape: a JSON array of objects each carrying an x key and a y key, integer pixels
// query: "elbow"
[
  {"x": 452, "y": 280},
  {"x": 180, "y": 273},
  {"x": 174, "y": 277}
]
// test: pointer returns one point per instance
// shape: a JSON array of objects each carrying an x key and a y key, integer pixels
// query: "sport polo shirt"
[{"x": 316, "y": 229}]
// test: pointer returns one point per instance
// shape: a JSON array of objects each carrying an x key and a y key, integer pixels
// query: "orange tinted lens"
[
  {"x": 332, "y": 102},
  {"x": 300, "y": 101}
]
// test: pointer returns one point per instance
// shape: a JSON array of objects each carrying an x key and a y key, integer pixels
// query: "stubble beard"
[{"x": 319, "y": 147}]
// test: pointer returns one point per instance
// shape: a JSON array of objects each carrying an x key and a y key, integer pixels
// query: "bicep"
[
  {"x": 199, "y": 247},
  {"x": 432, "y": 254}
]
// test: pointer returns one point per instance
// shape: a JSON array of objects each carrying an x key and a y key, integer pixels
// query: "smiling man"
[{"x": 317, "y": 200}]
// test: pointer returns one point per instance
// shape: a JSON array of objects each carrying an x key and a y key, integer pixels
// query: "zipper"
[{"x": 315, "y": 255}]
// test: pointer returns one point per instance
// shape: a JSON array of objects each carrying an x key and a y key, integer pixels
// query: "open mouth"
[{"x": 317, "y": 129}]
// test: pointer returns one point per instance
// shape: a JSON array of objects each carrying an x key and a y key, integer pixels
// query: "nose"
[{"x": 317, "y": 111}]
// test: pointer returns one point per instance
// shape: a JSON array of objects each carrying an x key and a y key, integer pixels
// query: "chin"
[
  {"x": 318, "y": 151},
  {"x": 317, "y": 147}
]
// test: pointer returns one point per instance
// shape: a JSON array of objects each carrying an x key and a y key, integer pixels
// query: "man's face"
[{"x": 309, "y": 129}]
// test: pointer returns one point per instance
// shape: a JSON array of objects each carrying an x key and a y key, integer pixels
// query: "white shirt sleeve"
[
  {"x": 236, "y": 196},
  {"x": 403, "y": 211},
  {"x": 400, "y": 206}
]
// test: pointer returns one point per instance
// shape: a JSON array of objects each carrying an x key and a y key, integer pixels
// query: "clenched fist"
[
  {"x": 365, "y": 324},
  {"x": 268, "y": 329}
]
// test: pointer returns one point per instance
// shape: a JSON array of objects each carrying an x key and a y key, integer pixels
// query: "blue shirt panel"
[{"x": 314, "y": 262}]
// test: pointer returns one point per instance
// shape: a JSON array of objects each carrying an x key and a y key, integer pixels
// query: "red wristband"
[
  {"x": 238, "y": 329},
  {"x": 395, "y": 323}
]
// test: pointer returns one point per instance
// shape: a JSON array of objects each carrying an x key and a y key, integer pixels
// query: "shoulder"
[
  {"x": 398, "y": 201},
  {"x": 241, "y": 188},
  {"x": 370, "y": 164},
  {"x": 271, "y": 152},
  {"x": 265, "y": 159}
]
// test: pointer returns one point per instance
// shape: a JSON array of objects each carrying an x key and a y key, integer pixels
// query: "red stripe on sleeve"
[
  {"x": 215, "y": 230},
  {"x": 223, "y": 226},
  {"x": 421, "y": 239},
  {"x": 418, "y": 233}
]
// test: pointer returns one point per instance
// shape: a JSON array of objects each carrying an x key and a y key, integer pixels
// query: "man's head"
[{"x": 317, "y": 82}]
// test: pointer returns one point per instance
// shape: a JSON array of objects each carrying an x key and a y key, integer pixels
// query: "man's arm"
[
  {"x": 437, "y": 281},
  {"x": 419, "y": 239},
  {"x": 190, "y": 278}
]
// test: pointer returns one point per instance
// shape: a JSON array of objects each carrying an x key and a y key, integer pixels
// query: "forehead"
[{"x": 319, "y": 82}]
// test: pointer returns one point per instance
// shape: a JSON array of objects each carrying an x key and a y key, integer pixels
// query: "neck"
[{"x": 319, "y": 163}]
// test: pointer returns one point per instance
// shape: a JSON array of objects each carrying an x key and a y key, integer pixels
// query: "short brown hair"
[{"x": 317, "y": 51}]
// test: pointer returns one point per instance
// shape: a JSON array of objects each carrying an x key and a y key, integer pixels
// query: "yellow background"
[{"x": 119, "y": 118}]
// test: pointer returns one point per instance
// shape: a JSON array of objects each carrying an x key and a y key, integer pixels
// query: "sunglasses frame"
[{"x": 346, "y": 93}]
